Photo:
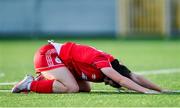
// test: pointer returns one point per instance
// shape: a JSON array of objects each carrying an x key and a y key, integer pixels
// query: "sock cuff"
[{"x": 42, "y": 86}]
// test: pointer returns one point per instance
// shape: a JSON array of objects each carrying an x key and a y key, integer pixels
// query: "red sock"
[{"x": 42, "y": 86}]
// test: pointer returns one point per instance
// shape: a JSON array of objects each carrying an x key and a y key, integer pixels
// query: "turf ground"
[{"x": 16, "y": 58}]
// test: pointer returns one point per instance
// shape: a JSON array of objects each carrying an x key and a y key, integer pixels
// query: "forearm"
[
  {"x": 123, "y": 81},
  {"x": 145, "y": 83}
]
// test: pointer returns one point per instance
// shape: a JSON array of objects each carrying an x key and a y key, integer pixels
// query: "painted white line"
[
  {"x": 175, "y": 91},
  {"x": 7, "y": 83},
  {"x": 3, "y": 91},
  {"x": 161, "y": 71}
]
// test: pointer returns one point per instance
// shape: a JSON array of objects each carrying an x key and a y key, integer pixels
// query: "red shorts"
[{"x": 46, "y": 58}]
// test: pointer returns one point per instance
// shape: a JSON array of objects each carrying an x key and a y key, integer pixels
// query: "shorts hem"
[{"x": 39, "y": 70}]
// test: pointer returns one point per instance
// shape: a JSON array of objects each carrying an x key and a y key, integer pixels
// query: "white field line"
[
  {"x": 7, "y": 83},
  {"x": 150, "y": 72},
  {"x": 161, "y": 71},
  {"x": 3, "y": 91}
]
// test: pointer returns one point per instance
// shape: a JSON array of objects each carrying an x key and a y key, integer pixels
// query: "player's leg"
[
  {"x": 58, "y": 80},
  {"x": 46, "y": 61},
  {"x": 43, "y": 85},
  {"x": 64, "y": 80},
  {"x": 55, "y": 85},
  {"x": 84, "y": 86},
  {"x": 53, "y": 82},
  {"x": 58, "y": 87}
]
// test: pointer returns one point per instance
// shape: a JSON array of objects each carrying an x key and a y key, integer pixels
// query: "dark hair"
[{"x": 121, "y": 69}]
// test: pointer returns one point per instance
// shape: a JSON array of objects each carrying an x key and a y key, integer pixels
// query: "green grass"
[{"x": 16, "y": 60}]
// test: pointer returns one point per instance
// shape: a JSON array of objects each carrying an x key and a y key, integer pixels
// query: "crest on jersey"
[{"x": 58, "y": 60}]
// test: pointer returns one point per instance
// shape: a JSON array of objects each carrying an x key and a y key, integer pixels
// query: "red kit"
[{"x": 83, "y": 61}]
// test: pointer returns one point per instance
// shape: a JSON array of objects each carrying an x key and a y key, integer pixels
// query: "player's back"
[
  {"x": 84, "y": 61},
  {"x": 81, "y": 53}
]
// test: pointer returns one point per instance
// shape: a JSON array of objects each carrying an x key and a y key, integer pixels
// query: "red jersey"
[{"x": 84, "y": 61}]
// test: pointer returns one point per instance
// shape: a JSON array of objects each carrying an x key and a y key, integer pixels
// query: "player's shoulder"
[{"x": 69, "y": 43}]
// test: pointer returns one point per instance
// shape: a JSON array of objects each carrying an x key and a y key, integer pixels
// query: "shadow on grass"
[
  {"x": 128, "y": 93},
  {"x": 109, "y": 92}
]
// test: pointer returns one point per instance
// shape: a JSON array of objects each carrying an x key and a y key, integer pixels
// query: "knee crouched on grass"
[{"x": 60, "y": 88}]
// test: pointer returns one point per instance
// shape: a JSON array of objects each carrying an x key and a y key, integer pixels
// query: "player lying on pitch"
[{"x": 68, "y": 68}]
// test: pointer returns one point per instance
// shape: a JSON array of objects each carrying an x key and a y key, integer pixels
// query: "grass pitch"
[{"x": 16, "y": 60}]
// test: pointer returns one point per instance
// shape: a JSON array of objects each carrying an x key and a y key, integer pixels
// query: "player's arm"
[
  {"x": 144, "y": 82},
  {"x": 123, "y": 81}
]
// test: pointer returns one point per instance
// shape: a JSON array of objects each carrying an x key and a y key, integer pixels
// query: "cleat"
[{"x": 22, "y": 85}]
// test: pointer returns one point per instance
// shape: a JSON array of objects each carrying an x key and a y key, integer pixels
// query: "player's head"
[{"x": 121, "y": 69}]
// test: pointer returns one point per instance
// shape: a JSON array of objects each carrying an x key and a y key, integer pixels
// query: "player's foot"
[{"x": 22, "y": 86}]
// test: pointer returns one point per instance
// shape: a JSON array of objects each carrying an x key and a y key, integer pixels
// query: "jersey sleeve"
[{"x": 101, "y": 61}]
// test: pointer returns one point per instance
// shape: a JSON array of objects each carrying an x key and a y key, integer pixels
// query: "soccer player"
[{"x": 69, "y": 67}]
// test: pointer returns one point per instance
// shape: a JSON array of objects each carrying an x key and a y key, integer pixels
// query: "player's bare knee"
[
  {"x": 73, "y": 89},
  {"x": 59, "y": 88}
]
